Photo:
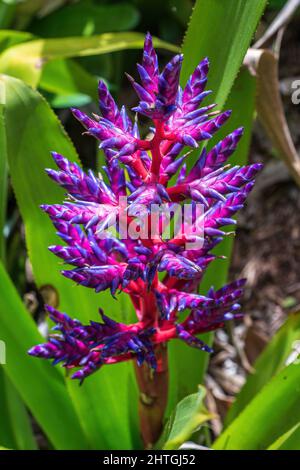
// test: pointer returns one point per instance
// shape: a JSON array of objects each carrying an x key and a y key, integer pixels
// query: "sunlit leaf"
[
  {"x": 15, "y": 429},
  {"x": 10, "y": 38},
  {"x": 26, "y": 61},
  {"x": 272, "y": 412},
  {"x": 87, "y": 19},
  {"x": 185, "y": 420},
  {"x": 40, "y": 385},
  {"x": 270, "y": 108}
]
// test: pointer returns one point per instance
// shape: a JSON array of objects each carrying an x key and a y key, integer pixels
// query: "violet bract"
[{"x": 161, "y": 276}]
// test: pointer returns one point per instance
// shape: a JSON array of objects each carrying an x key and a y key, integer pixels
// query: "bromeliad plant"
[{"x": 161, "y": 276}]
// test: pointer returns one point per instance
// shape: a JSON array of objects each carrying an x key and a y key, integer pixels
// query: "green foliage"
[
  {"x": 288, "y": 441},
  {"x": 221, "y": 31},
  {"x": 40, "y": 386},
  {"x": 184, "y": 379},
  {"x": 87, "y": 19},
  {"x": 269, "y": 363},
  {"x": 276, "y": 4},
  {"x": 103, "y": 413},
  {"x": 15, "y": 428},
  {"x": 38, "y": 133}
]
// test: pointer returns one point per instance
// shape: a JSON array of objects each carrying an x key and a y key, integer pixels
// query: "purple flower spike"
[{"x": 161, "y": 274}]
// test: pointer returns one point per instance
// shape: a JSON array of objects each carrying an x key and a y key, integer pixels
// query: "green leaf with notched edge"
[
  {"x": 270, "y": 362},
  {"x": 221, "y": 31},
  {"x": 60, "y": 76},
  {"x": 26, "y": 61},
  {"x": 40, "y": 385},
  {"x": 273, "y": 411},
  {"x": 188, "y": 365},
  {"x": 188, "y": 415},
  {"x": 100, "y": 401}
]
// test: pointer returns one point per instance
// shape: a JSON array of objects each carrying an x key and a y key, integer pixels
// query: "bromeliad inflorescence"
[{"x": 161, "y": 276}]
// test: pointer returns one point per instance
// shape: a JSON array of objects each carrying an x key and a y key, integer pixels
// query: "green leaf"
[
  {"x": 15, "y": 428},
  {"x": 269, "y": 363},
  {"x": 40, "y": 385},
  {"x": 276, "y": 4},
  {"x": 100, "y": 401},
  {"x": 183, "y": 379},
  {"x": 26, "y": 61},
  {"x": 9, "y": 38},
  {"x": 272, "y": 412},
  {"x": 87, "y": 19},
  {"x": 288, "y": 441},
  {"x": 186, "y": 419},
  {"x": 222, "y": 31},
  {"x": 239, "y": 19},
  {"x": 66, "y": 77}
]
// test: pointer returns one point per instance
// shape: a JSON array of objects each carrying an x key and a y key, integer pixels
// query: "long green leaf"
[
  {"x": 272, "y": 412},
  {"x": 100, "y": 401},
  {"x": 9, "y": 38},
  {"x": 40, "y": 386},
  {"x": 205, "y": 37},
  {"x": 7, "y": 13},
  {"x": 63, "y": 77},
  {"x": 288, "y": 441},
  {"x": 26, "y": 60},
  {"x": 3, "y": 177},
  {"x": 222, "y": 31},
  {"x": 269, "y": 363},
  {"x": 15, "y": 429}
]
